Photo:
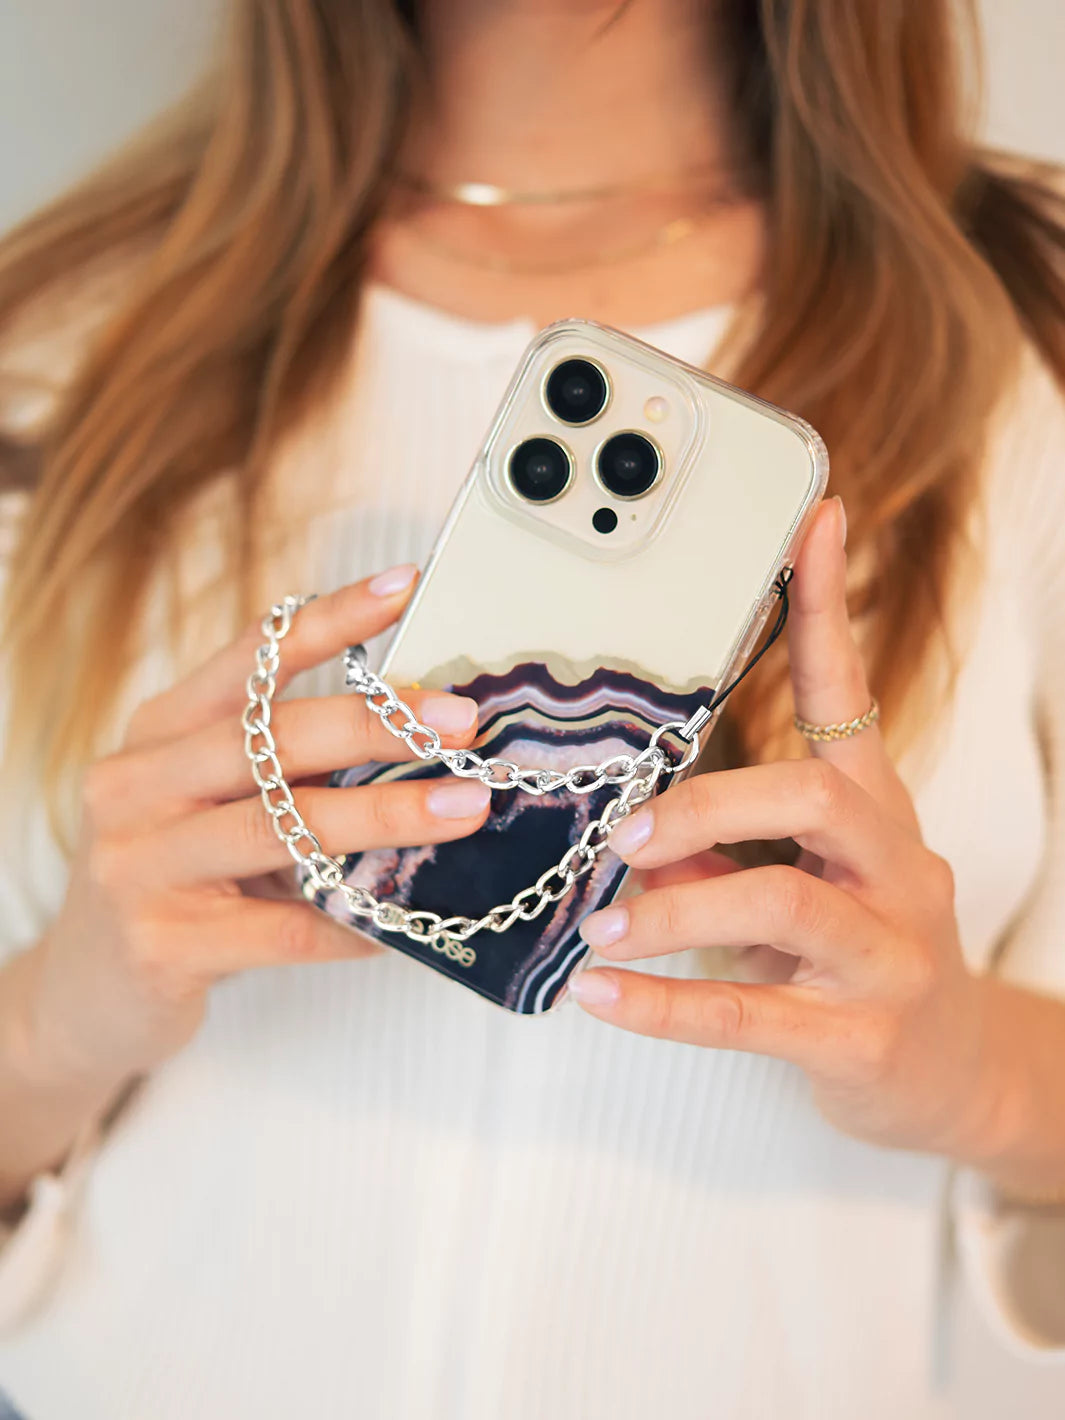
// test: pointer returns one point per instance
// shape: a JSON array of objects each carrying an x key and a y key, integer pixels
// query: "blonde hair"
[{"x": 904, "y": 267}]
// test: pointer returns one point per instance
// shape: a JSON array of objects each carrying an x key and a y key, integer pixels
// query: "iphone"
[{"x": 609, "y": 562}]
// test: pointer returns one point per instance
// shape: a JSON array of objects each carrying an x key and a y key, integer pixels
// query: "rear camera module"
[
  {"x": 628, "y": 465},
  {"x": 576, "y": 391},
  {"x": 540, "y": 470}
]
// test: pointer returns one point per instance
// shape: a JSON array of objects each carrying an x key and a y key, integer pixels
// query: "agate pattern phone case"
[{"x": 580, "y": 623}]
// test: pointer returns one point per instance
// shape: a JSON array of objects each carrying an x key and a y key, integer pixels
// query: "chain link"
[
  {"x": 638, "y": 774},
  {"x": 424, "y": 742}
]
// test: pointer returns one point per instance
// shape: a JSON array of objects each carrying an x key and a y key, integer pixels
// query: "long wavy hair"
[{"x": 906, "y": 266}]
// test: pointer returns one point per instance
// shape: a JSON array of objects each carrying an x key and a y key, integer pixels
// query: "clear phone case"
[{"x": 577, "y": 642}]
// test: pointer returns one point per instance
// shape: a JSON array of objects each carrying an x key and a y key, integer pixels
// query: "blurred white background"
[{"x": 76, "y": 77}]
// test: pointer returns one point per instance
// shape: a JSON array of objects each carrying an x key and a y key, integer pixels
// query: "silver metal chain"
[
  {"x": 636, "y": 775},
  {"x": 424, "y": 742}
]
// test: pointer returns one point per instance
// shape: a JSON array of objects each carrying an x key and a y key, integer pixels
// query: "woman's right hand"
[{"x": 173, "y": 825}]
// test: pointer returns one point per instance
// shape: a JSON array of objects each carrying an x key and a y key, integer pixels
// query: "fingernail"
[
  {"x": 459, "y": 800},
  {"x": 602, "y": 928},
  {"x": 396, "y": 579},
  {"x": 450, "y": 714},
  {"x": 632, "y": 833},
  {"x": 594, "y": 988},
  {"x": 842, "y": 520}
]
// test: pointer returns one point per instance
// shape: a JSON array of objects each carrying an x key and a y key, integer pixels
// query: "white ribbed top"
[{"x": 364, "y": 1191}]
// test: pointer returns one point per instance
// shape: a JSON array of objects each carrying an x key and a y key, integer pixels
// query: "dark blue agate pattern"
[{"x": 529, "y": 717}]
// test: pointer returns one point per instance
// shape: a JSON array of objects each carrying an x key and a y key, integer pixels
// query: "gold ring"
[{"x": 843, "y": 730}]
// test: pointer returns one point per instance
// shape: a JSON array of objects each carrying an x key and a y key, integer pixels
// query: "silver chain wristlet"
[
  {"x": 424, "y": 742},
  {"x": 637, "y": 776}
]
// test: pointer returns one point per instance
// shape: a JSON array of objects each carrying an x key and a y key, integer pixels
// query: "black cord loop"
[{"x": 780, "y": 588}]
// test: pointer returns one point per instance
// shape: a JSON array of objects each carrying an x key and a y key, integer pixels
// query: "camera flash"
[{"x": 656, "y": 409}]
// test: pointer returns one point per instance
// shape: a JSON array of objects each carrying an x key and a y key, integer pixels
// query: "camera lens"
[
  {"x": 576, "y": 391},
  {"x": 628, "y": 465},
  {"x": 540, "y": 470}
]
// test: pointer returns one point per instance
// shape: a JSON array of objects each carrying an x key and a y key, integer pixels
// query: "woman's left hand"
[{"x": 852, "y": 964}]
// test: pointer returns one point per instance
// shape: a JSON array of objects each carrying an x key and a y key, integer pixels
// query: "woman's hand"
[
  {"x": 852, "y": 964},
  {"x": 173, "y": 825}
]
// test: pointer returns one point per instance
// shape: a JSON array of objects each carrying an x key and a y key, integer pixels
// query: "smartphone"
[{"x": 608, "y": 562}]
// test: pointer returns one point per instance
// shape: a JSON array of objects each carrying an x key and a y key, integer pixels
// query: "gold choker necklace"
[{"x": 490, "y": 194}]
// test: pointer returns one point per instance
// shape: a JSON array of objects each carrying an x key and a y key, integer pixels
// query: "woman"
[{"x": 348, "y": 1187}]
